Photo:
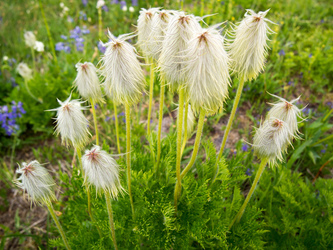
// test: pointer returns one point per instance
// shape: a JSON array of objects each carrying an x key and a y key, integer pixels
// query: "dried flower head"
[
  {"x": 272, "y": 139},
  {"x": 37, "y": 181},
  {"x": 124, "y": 80},
  {"x": 145, "y": 27},
  {"x": 248, "y": 49},
  {"x": 24, "y": 71},
  {"x": 102, "y": 171},
  {"x": 87, "y": 81},
  {"x": 72, "y": 125},
  {"x": 287, "y": 112},
  {"x": 206, "y": 71},
  {"x": 29, "y": 39},
  {"x": 180, "y": 30}
]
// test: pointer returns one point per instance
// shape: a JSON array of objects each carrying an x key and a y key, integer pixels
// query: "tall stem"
[
  {"x": 256, "y": 179},
  {"x": 117, "y": 126},
  {"x": 231, "y": 118},
  {"x": 151, "y": 90},
  {"x": 33, "y": 59},
  {"x": 109, "y": 207},
  {"x": 61, "y": 231},
  {"x": 95, "y": 120},
  {"x": 128, "y": 153},
  {"x": 29, "y": 92},
  {"x": 202, "y": 8},
  {"x": 185, "y": 127},
  {"x": 100, "y": 23},
  {"x": 160, "y": 119},
  {"x": 179, "y": 140}
]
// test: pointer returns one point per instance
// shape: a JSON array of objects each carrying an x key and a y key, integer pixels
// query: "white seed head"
[
  {"x": 124, "y": 80},
  {"x": 145, "y": 27},
  {"x": 87, "y": 82},
  {"x": 248, "y": 49},
  {"x": 24, "y": 71},
  {"x": 272, "y": 139},
  {"x": 100, "y": 4},
  {"x": 206, "y": 71},
  {"x": 287, "y": 112},
  {"x": 180, "y": 30},
  {"x": 72, "y": 125},
  {"x": 159, "y": 25},
  {"x": 102, "y": 171},
  {"x": 29, "y": 39},
  {"x": 190, "y": 120},
  {"x": 37, "y": 182},
  {"x": 39, "y": 46}
]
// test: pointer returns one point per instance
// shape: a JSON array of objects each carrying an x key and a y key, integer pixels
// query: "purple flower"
[
  {"x": 13, "y": 82},
  {"x": 282, "y": 53},
  {"x": 245, "y": 147},
  {"x": 114, "y": 1},
  {"x": 63, "y": 37},
  {"x": 310, "y": 55},
  {"x": 101, "y": 48},
  {"x": 83, "y": 15},
  {"x": 122, "y": 4},
  {"x": 248, "y": 172},
  {"x": 105, "y": 8},
  {"x": 330, "y": 104},
  {"x": 8, "y": 117},
  {"x": 323, "y": 151},
  {"x": 96, "y": 106},
  {"x": 134, "y": 2},
  {"x": 75, "y": 33},
  {"x": 107, "y": 118},
  {"x": 84, "y": 2},
  {"x": 59, "y": 46},
  {"x": 67, "y": 49},
  {"x": 79, "y": 44},
  {"x": 291, "y": 83},
  {"x": 85, "y": 30},
  {"x": 122, "y": 114},
  {"x": 70, "y": 19}
]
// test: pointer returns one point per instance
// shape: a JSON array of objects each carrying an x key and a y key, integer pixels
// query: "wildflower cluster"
[
  {"x": 30, "y": 41},
  {"x": 76, "y": 37},
  {"x": 9, "y": 115}
]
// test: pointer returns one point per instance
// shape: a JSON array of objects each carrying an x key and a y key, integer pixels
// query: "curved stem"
[
  {"x": 256, "y": 179},
  {"x": 185, "y": 127},
  {"x": 99, "y": 23},
  {"x": 160, "y": 119},
  {"x": 231, "y": 118},
  {"x": 179, "y": 140},
  {"x": 128, "y": 153},
  {"x": 95, "y": 120},
  {"x": 33, "y": 59},
  {"x": 117, "y": 126},
  {"x": 109, "y": 207},
  {"x": 202, "y": 8},
  {"x": 29, "y": 92},
  {"x": 151, "y": 90},
  {"x": 61, "y": 231}
]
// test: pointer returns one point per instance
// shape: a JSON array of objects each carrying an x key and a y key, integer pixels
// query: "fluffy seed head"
[
  {"x": 272, "y": 139},
  {"x": 124, "y": 80},
  {"x": 29, "y": 39},
  {"x": 206, "y": 71},
  {"x": 248, "y": 49},
  {"x": 102, "y": 171},
  {"x": 72, "y": 125},
  {"x": 100, "y": 4},
  {"x": 39, "y": 46},
  {"x": 287, "y": 112},
  {"x": 87, "y": 82},
  {"x": 145, "y": 27},
  {"x": 180, "y": 30},
  {"x": 37, "y": 182},
  {"x": 24, "y": 71}
]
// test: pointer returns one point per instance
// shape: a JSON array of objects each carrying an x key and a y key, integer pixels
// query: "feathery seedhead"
[
  {"x": 145, "y": 27},
  {"x": 124, "y": 80},
  {"x": 248, "y": 49},
  {"x": 206, "y": 71},
  {"x": 87, "y": 82},
  {"x": 24, "y": 71},
  {"x": 102, "y": 171},
  {"x": 39, "y": 46},
  {"x": 29, "y": 39},
  {"x": 37, "y": 181},
  {"x": 100, "y": 4},
  {"x": 272, "y": 139},
  {"x": 180, "y": 30},
  {"x": 287, "y": 112},
  {"x": 72, "y": 125}
]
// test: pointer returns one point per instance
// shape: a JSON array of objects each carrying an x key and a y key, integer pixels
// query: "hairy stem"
[
  {"x": 117, "y": 126},
  {"x": 185, "y": 127},
  {"x": 95, "y": 120},
  {"x": 160, "y": 119},
  {"x": 151, "y": 90},
  {"x": 109, "y": 207}
]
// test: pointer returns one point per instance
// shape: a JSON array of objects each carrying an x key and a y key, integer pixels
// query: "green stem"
[
  {"x": 160, "y": 119},
  {"x": 29, "y": 92},
  {"x": 128, "y": 153},
  {"x": 256, "y": 179},
  {"x": 95, "y": 120},
  {"x": 202, "y": 8},
  {"x": 185, "y": 127},
  {"x": 117, "y": 126},
  {"x": 151, "y": 91},
  {"x": 109, "y": 207},
  {"x": 322, "y": 140},
  {"x": 231, "y": 118},
  {"x": 179, "y": 141},
  {"x": 100, "y": 23},
  {"x": 61, "y": 231},
  {"x": 48, "y": 32},
  {"x": 12, "y": 154},
  {"x": 33, "y": 59}
]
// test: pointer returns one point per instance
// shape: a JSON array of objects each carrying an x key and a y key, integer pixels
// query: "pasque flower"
[
  {"x": 39, "y": 46},
  {"x": 124, "y": 80},
  {"x": 29, "y": 39},
  {"x": 248, "y": 48},
  {"x": 24, "y": 71}
]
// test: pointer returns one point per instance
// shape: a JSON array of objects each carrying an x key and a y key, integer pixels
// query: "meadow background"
[{"x": 291, "y": 208}]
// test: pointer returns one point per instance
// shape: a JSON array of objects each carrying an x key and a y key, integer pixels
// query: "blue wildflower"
[
  {"x": 8, "y": 117},
  {"x": 63, "y": 37},
  {"x": 122, "y": 4},
  {"x": 83, "y": 15},
  {"x": 59, "y": 46},
  {"x": 134, "y": 2},
  {"x": 107, "y": 118},
  {"x": 101, "y": 48},
  {"x": 282, "y": 53},
  {"x": 84, "y": 2},
  {"x": 310, "y": 55},
  {"x": 248, "y": 172},
  {"x": 105, "y": 8},
  {"x": 245, "y": 147}
]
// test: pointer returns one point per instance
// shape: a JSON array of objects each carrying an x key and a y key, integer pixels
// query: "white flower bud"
[
  {"x": 131, "y": 9},
  {"x": 249, "y": 47},
  {"x": 180, "y": 30},
  {"x": 39, "y": 46},
  {"x": 272, "y": 139},
  {"x": 30, "y": 39},
  {"x": 100, "y": 4},
  {"x": 124, "y": 8},
  {"x": 37, "y": 182},
  {"x": 24, "y": 71},
  {"x": 206, "y": 71},
  {"x": 87, "y": 82},
  {"x": 102, "y": 171},
  {"x": 5, "y": 58},
  {"x": 124, "y": 80},
  {"x": 72, "y": 125}
]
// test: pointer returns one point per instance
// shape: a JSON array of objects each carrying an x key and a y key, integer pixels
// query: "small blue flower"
[
  {"x": 121, "y": 114},
  {"x": 83, "y": 15},
  {"x": 70, "y": 19},
  {"x": 310, "y": 55},
  {"x": 84, "y": 2},
  {"x": 134, "y": 2},
  {"x": 248, "y": 172},
  {"x": 323, "y": 151},
  {"x": 101, "y": 48},
  {"x": 59, "y": 46},
  {"x": 122, "y": 4},
  {"x": 245, "y": 147},
  {"x": 282, "y": 53},
  {"x": 107, "y": 118},
  {"x": 105, "y": 8},
  {"x": 63, "y": 37}
]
